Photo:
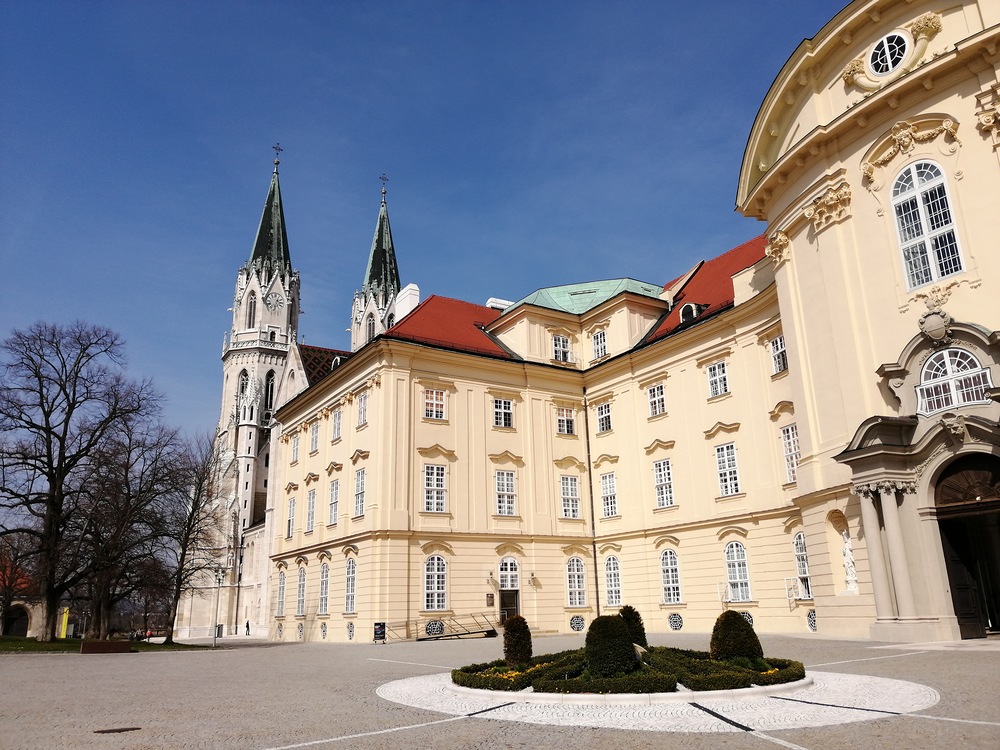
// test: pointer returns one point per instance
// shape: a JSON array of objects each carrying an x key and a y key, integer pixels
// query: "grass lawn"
[{"x": 15, "y": 645}]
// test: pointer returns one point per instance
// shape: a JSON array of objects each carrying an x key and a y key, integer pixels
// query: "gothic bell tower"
[{"x": 255, "y": 354}]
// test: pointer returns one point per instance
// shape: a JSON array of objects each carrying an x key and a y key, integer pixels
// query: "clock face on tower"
[{"x": 274, "y": 301}]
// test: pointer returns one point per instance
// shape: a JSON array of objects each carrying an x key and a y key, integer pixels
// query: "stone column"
[
  {"x": 876, "y": 557},
  {"x": 897, "y": 552}
]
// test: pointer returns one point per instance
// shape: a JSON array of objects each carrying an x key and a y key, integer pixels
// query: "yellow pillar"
[{"x": 64, "y": 622}]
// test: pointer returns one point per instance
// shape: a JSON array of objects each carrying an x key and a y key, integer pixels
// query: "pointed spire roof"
[
  {"x": 381, "y": 276},
  {"x": 270, "y": 249}
]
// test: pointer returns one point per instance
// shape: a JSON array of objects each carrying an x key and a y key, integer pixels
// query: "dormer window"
[
  {"x": 689, "y": 312},
  {"x": 951, "y": 378}
]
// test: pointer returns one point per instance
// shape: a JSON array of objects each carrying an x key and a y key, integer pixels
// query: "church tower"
[
  {"x": 265, "y": 320},
  {"x": 374, "y": 309}
]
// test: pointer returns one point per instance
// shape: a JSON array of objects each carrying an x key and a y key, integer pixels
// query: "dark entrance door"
[
  {"x": 15, "y": 621},
  {"x": 508, "y": 604}
]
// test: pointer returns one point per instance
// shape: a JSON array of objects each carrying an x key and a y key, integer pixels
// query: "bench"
[{"x": 105, "y": 647}]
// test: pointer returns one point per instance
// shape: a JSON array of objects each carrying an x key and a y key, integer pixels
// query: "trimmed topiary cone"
[
  {"x": 633, "y": 620},
  {"x": 609, "y": 647},
  {"x": 733, "y": 636},
  {"x": 516, "y": 641}
]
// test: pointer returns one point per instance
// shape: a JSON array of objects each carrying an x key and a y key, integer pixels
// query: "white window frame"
[
  {"x": 600, "y": 344},
  {"x": 359, "y": 493},
  {"x": 290, "y": 530},
  {"x": 314, "y": 437},
  {"x": 350, "y": 585},
  {"x": 337, "y": 424},
  {"x": 434, "y": 401},
  {"x": 603, "y": 417},
  {"x": 727, "y": 469},
  {"x": 737, "y": 573},
  {"x": 569, "y": 488},
  {"x": 924, "y": 217},
  {"x": 435, "y": 584},
  {"x": 576, "y": 583},
  {"x": 362, "y": 409},
  {"x": 779, "y": 356},
  {"x": 295, "y": 448},
  {"x": 279, "y": 608},
  {"x": 802, "y": 575},
  {"x": 324, "y": 590},
  {"x": 310, "y": 510},
  {"x": 300, "y": 594},
  {"x": 670, "y": 577},
  {"x": 663, "y": 480},
  {"x": 565, "y": 420},
  {"x": 560, "y": 348},
  {"x": 509, "y": 577},
  {"x": 506, "y": 492},
  {"x": 952, "y": 378},
  {"x": 657, "y": 400},
  {"x": 791, "y": 452},
  {"x": 503, "y": 412},
  {"x": 334, "y": 508},
  {"x": 609, "y": 495},
  {"x": 434, "y": 488},
  {"x": 718, "y": 379},
  {"x": 613, "y": 581}
]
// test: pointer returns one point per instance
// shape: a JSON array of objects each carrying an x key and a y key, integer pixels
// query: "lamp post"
[{"x": 220, "y": 574}]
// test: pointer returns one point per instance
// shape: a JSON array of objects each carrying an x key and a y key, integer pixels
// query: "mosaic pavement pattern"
[{"x": 831, "y": 699}]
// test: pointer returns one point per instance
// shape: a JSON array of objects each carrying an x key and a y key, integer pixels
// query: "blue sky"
[{"x": 527, "y": 144}]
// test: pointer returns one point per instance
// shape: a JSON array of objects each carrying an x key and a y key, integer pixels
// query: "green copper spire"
[
  {"x": 381, "y": 276},
  {"x": 270, "y": 250}
]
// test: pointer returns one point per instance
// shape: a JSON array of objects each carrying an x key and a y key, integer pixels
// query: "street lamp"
[{"x": 220, "y": 576}]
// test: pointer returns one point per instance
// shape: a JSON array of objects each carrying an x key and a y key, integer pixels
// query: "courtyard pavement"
[{"x": 254, "y": 695}]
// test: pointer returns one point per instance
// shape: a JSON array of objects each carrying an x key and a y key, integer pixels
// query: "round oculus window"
[{"x": 887, "y": 54}]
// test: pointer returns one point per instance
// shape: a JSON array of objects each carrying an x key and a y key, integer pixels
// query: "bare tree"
[
  {"x": 16, "y": 574},
  {"x": 196, "y": 523},
  {"x": 62, "y": 391}
]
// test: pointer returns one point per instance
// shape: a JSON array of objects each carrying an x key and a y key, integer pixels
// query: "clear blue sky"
[{"x": 527, "y": 144}]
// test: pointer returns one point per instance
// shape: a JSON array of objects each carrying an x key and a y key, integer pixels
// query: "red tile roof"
[
  {"x": 318, "y": 361},
  {"x": 710, "y": 287},
  {"x": 450, "y": 324}
]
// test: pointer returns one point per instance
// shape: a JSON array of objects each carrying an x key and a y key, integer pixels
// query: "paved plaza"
[{"x": 254, "y": 695}]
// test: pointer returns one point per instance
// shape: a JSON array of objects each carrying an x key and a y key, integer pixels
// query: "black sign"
[{"x": 379, "y": 631}]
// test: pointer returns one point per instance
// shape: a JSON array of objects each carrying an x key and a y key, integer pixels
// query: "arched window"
[
  {"x": 279, "y": 609},
  {"x": 802, "y": 567},
  {"x": 251, "y": 309},
  {"x": 300, "y": 599},
  {"x": 370, "y": 327},
  {"x": 575, "y": 586},
  {"x": 350, "y": 583},
  {"x": 435, "y": 583},
  {"x": 952, "y": 377},
  {"x": 244, "y": 383},
  {"x": 390, "y": 321},
  {"x": 925, "y": 225},
  {"x": 269, "y": 390},
  {"x": 738, "y": 572},
  {"x": 324, "y": 589},
  {"x": 670, "y": 576},
  {"x": 613, "y": 581},
  {"x": 509, "y": 578}
]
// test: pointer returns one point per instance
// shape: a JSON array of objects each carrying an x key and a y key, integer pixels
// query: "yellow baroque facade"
[{"x": 804, "y": 429}]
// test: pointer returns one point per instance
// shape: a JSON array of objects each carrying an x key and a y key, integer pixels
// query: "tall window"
[
  {"x": 291, "y": 517},
  {"x": 310, "y": 510},
  {"x": 433, "y": 404},
  {"x": 560, "y": 349},
  {"x": 737, "y": 572},
  {"x": 350, "y": 583},
  {"x": 950, "y": 378},
  {"x": 334, "y": 501},
  {"x": 370, "y": 328},
  {"x": 506, "y": 497},
  {"x": 295, "y": 448},
  {"x": 509, "y": 578},
  {"x": 314, "y": 437},
  {"x": 279, "y": 607},
  {"x": 613, "y": 581},
  {"x": 790, "y": 447},
  {"x": 503, "y": 412},
  {"x": 663, "y": 477},
  {"x": 670, "y": 577},
  {"x": 657, "y": 403},
  {"x": 300, "y": 598},
  {"x": 779, "y": 357},
  {"x": 575, "y": 584},
  {"x": 718, "y": 379},
  {"x": 336, "y": 424},
  {"x": 269, "y": 390},
  {"x": 434, "y": 488},
  {"x": 565, "y": 420},
  {"x": 435, "y": 581},
  {"x": 570, "y": 489},
  {"x": 924, "y": 224},
  {"x": 802, "y": 566},
  {"x": 362, "y": 409},
  {"x": 359, "y": 493},
  {"x": 609, "y": 495},
  {"x": 600, "y": 344},
  {"x": 729, "y": 478},
  {"x": 251, "y": 309},
  {"x": 324, "y": 590},
  {"x": 604, "y": 417}
]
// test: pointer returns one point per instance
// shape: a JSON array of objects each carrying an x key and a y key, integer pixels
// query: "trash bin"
[{"x": 218, "y": 631}]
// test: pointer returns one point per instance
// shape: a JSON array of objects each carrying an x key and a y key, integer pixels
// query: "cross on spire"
[
  {"x": 277, "y": 151},
  {"x": 384, "y": 180}
]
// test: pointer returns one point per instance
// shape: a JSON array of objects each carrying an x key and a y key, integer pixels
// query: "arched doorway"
[
  {"x": 510, "y": 589},
  {"x": 967, "y": 497},
  {"x": 15, "y": 621}
]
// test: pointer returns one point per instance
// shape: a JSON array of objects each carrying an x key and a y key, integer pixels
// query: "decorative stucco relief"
[
  {"x": 873, "y": 489},
  {"x": 922, "y": 30},
  {"x": 903, "y": 138},
  {"x": 777, "y": 248},
  {"x": 935, "y": 324},
  {"x": 832, "y": 206},
  {"x": 988, "y": 115}
]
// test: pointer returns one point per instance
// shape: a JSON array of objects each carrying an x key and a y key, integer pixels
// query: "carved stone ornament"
[
  {"x": 922, "y": 30},
  {"x": 954, "y": 428},
  {"x": 776, "y": 247},
  {"x": 988, "y": 114},
  {"x": 935, "y": 324},
  {"x": 834, "y": 205},
  {"x": 904, "y": 137},
  {"x": 874, "y": 489}
]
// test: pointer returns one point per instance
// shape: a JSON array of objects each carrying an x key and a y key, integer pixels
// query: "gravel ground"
[{"x": 252, "y": 695}]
